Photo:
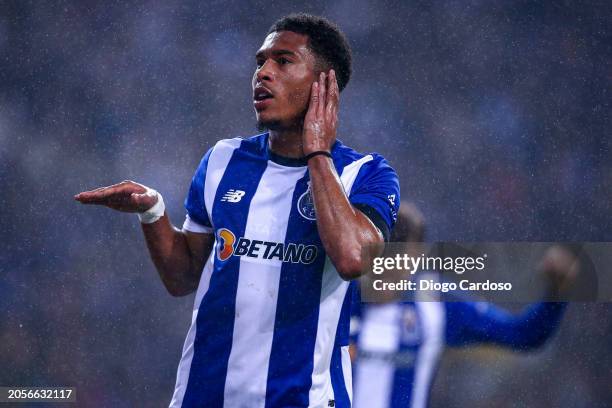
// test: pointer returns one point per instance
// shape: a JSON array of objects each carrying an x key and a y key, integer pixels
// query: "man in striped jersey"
[
  {"x": 274, "y": 230},
  {"x": 399, "y": 343}
]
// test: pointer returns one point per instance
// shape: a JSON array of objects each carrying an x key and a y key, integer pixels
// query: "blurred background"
[{"x": 496, "y": 117}]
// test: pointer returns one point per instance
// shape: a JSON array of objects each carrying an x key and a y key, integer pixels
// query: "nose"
[{"x": 265, "y": 72}]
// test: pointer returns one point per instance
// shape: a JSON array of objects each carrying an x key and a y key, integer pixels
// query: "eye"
[
  {"x": 259, "y": 63},
  {"x": 283, "y": 61}
]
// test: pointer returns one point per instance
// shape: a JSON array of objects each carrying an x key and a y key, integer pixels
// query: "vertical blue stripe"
[
  {"x": 341, "y": 397},
  {"x": 403, "y": 378},
  {"x": 215, "y": 320},
  {"x": 297, "y": 315},
  {"x": 401, "y": 393}
]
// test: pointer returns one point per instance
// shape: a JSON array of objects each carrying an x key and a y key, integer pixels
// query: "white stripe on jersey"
[
  {"x": 257, "y": 294},
  {"x": 380, "y": 332},
  {"x": 349, "y": 174},
  {"x": 217, "y": 162},
  {"x": 347, "y": 371},
  {"x": 333, "y": 291},
  {"x": 184, "y": 367},
  {"x": 433, "y": 323}
]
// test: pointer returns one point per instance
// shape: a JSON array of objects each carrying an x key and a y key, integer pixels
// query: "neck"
[{"x": 287, "y": 142}]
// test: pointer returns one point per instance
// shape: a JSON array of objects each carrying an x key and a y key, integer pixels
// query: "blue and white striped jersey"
[
  {"x": 271, "y": 315},
  {"x": 400, "y": 344}
]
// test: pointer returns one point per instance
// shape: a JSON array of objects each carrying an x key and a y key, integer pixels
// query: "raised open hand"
[
  {"x": 127, "y": 196},
  {"x": 321, "y": 118}
]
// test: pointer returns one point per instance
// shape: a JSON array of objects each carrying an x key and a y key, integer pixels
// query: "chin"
[{"x": 268, "y": 124}]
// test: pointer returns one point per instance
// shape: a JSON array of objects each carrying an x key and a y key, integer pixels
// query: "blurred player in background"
[
  {"x": 274, "y": 230},
  {"x": 399, "y": 343}
]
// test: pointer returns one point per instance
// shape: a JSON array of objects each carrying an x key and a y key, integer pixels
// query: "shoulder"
[
  {"x": 228, "y": 144},
  {"x": 224, "y": 148},
  {"x": 232, "y": 143},
  {"x": 256, "y": 142},
  {"x": 347, "y": 159}
]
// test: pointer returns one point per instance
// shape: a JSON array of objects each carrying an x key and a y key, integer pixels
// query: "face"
[{"x": 282, "y": 81}]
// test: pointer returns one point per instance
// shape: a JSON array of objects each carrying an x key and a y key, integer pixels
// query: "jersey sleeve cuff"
[
  {"x": 193, "y": 226},
  {"x": 376, "y": 219}
]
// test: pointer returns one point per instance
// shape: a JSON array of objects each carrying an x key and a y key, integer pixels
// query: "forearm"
[
  {"x": 344, "y": 231},
  {"x": 536, "y": 324},
  {"x": 527, "y": 330},
  {"x": 171, "y": 256}
]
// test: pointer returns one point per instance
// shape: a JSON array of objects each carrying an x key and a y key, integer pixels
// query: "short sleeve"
[
  {"x": 197, "y": 219},
  {"x": 377, "y": 186}
]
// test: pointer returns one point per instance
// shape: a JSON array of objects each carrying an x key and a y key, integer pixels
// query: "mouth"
[{"x": 261, "y": 97}]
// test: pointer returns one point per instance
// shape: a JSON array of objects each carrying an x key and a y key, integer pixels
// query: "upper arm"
[
  {"x": 198, "y": 218},
  {"x": 372, "y": 217},
  {"x": 200, "y": 246},
  {"x": 197, "y": 227}
]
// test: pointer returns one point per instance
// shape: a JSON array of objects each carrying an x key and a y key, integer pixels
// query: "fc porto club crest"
[{"x": 305, "y": 205}]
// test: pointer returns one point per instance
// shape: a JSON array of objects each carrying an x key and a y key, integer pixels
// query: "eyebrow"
[{"x": 275, "y": 53}]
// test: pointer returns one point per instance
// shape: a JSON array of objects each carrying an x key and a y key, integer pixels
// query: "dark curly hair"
[{"x": 324, "y": 39}]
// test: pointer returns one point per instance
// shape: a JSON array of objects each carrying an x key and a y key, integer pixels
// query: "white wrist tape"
[{"x": 154, "y": 213}]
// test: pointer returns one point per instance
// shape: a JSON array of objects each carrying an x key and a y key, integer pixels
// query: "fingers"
[
  {"x": 106, "y": 195},
  {"x": 314, "y": 100},
  {"x": 85, "y": 194},
  {"x": 321, "y": 118},
  {"x": 333, "y": 96},
  {"x": 98, "y": 195},
  {"x": 322, "y": 95},
  {"x": 90, "y": 197}
]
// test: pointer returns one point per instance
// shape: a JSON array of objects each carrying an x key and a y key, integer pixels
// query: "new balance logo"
[{"x": 233, "y": 196}]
